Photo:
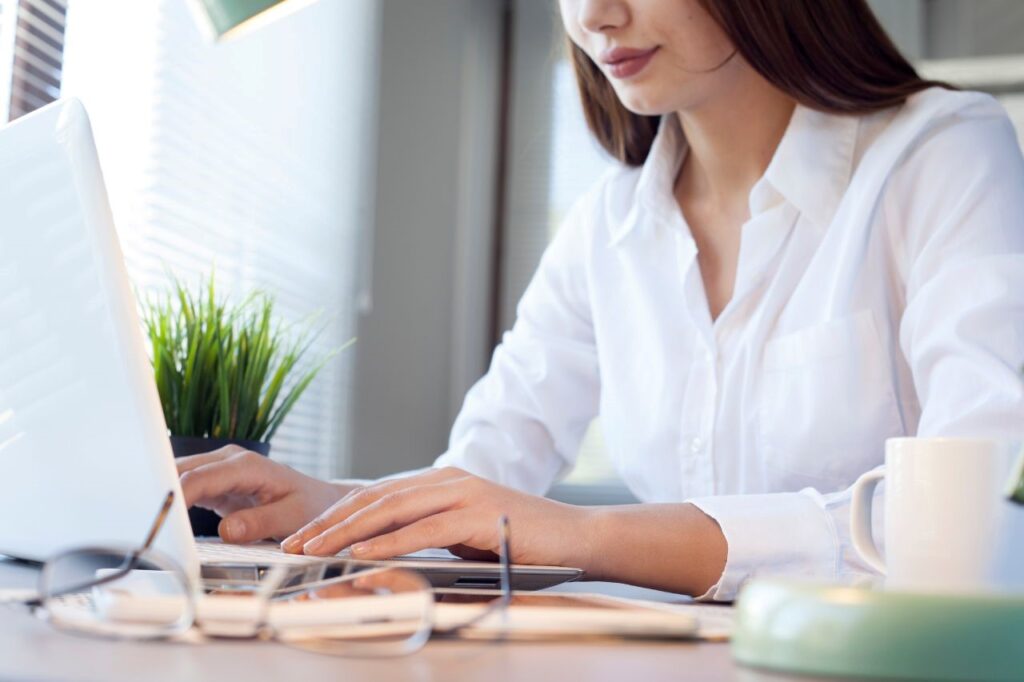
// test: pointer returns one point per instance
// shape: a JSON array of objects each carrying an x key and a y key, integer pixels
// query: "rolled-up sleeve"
[
  {"x": 803, "y": 534},
  {"x": 956, "y": 206},
  {"x": 753, "y": 526}
]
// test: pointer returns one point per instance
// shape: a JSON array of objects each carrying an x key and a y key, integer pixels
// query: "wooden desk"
[{"x": 29, "y": 648}]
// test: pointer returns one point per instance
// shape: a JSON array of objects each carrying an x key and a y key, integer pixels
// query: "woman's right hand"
[{"x": 257, "y": 497}]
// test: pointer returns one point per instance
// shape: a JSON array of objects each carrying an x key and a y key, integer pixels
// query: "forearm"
[{"x": 673, "y": 547}]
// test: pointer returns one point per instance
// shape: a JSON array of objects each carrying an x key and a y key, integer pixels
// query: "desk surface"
[{"x": 29, "y": 648}]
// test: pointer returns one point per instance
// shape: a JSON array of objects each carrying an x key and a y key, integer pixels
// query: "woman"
[{"x": 808, "y": 249}]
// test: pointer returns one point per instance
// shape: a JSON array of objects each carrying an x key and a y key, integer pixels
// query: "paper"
[
  {"x": 17, "y": 596},
  {"x": 547, "y": 615}
]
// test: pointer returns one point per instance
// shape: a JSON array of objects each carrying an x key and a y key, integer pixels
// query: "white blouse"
[{"x": 879, "y": 292}]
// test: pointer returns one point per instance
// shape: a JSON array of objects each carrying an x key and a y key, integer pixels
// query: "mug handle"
[{"x": 860, "y": 518}]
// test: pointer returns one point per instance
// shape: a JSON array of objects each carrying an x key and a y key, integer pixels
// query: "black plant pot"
[{"x": 204, "y": 521}]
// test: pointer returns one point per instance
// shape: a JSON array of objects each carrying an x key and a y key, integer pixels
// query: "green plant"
[{"x": 225, "y": 371}]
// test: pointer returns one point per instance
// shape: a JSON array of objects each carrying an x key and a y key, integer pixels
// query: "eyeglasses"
[
  {"x": 397, "y": 620},
  {"x": 353, "y": 608}
]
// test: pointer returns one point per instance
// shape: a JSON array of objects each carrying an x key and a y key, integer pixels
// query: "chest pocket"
[{"x": 827, "y": 404}]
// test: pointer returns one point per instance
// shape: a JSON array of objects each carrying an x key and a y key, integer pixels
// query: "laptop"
[{"x": 85, "y": 457}]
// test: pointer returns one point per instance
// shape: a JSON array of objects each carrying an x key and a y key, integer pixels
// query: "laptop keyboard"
[{"x": 213, "y": 551}]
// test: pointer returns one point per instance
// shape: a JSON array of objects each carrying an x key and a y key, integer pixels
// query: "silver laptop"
[{"x": 84, "y": 453}]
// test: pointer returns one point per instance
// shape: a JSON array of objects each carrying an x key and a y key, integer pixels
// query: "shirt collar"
[
  {"x": 653, "y": 194},
  {"x": 811, "y": 169},
  {"x": 812, "y": 165}
]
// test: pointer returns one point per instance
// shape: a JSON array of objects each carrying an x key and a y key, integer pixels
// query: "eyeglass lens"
[
  {"x": 116, "y": 593},
  {"x": 353, "y": 610},
  {"x": 356, "y": 610}
]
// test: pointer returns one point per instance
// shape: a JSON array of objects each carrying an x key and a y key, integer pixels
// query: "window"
[
  {"x": 245, "y": 157},
  {"x": 6, "y": 57},
  {"x": 31, "y": 54}
]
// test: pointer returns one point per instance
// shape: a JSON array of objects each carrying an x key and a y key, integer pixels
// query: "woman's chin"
[{"x": 644, "y": 103}]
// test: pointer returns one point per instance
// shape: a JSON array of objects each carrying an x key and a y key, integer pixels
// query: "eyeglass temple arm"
[
  {"x": 158, "y": 522},
  {"x": 505, "y": 555},
  {"x": 504, "y": 534},
  {"x": 131, "y": 561},
  {"x": 120, "y": 572}
]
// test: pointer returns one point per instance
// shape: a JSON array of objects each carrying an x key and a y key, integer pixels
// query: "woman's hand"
[
  {"x": 257, "y": 497},
  {"x": 446, "y": 508},
  {"x": 672, "y": 547}
]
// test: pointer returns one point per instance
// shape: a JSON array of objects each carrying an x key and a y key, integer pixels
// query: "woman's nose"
[{"x": 598, "y": 16}]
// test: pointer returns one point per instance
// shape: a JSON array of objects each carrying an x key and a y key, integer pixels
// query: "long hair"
[{"x": 829, "y": 55}]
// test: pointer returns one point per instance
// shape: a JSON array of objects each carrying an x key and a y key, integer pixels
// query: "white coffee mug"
[{"x": 948, "y": 524}]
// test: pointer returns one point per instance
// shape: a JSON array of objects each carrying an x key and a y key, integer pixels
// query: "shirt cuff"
[{"x": 777, "y": 534}]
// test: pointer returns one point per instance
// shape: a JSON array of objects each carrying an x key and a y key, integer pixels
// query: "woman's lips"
[{"x": 624, "y": 62}]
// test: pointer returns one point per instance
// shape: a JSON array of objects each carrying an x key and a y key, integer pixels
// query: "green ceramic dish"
[{"x": 860, "y": 632}]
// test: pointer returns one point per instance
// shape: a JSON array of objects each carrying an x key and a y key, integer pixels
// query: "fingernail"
[
  {"x": 361, "y": 548},
  {"x": 313, "y": 544},
  {"x": 292, "y": 544},
  {"x": 234, "y": 528}
]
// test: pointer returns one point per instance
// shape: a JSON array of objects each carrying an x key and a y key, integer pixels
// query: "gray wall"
[
  {"x": 424, "y": 331},
  {"x": 945, "y": 29},
  {"x": 535, "y": 49},
  {"x": 961, "y": 28}
]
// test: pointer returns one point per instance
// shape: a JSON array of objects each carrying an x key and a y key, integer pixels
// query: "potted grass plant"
[{"x": 226, "y": 373}]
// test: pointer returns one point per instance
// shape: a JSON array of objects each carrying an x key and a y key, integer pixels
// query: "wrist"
[
  {"x": 564, "y": 538},
  {"x": 344, "y": 487},
  {"x": 674, "y": 547},
  {"x": 594, "y": 541}
]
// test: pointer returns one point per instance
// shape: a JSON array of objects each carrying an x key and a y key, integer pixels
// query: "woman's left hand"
[{"x": 446, "y": 508}]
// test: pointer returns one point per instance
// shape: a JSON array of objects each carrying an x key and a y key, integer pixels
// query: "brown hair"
[{"x": 830, "y": 55}]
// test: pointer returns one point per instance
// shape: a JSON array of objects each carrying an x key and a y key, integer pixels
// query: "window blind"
[
  {"x": 32, "y": 44},
  {"x": 245, "y": 158},
  {"x": 6, "y": 49}
]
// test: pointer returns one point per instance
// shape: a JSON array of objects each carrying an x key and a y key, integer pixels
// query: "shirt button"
[{"x": 696, "y": 445}]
